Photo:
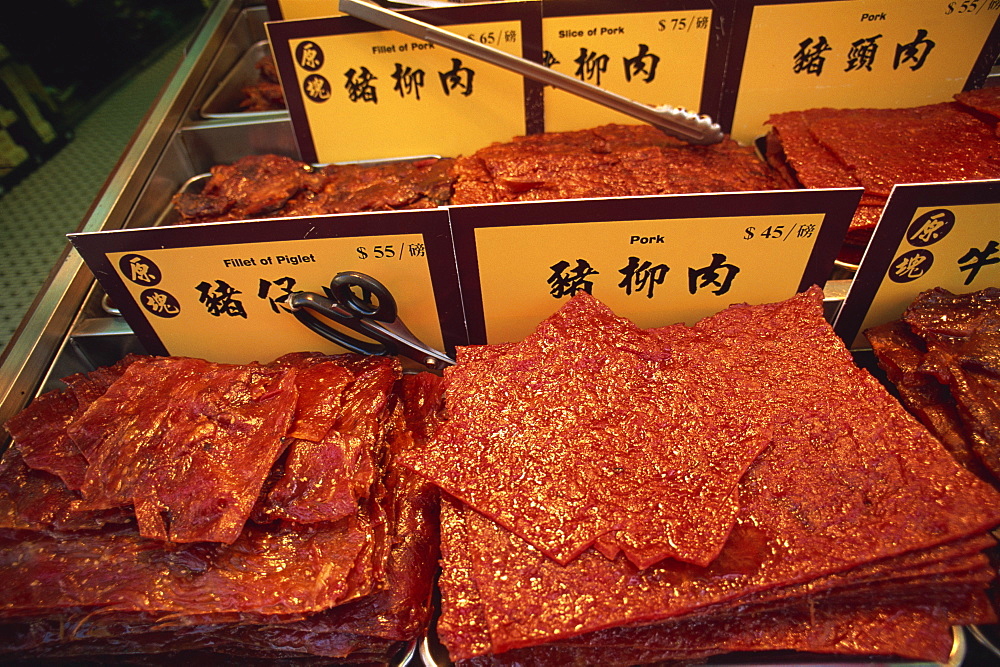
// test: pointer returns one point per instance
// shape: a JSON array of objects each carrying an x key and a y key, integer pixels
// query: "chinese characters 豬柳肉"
[{"x": 641, "y": 276}]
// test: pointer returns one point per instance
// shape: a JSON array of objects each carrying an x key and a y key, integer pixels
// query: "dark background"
[{"x": 82, "y": 49}]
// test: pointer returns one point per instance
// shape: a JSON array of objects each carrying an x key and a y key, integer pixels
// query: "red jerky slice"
[
  {"x": 814, "y": 166},
  {"x": 320, "y": 381},
  {"x": 914, "y": 622},
  {"x": 324, "y": 479},
  {"x": 33, "y": 499},
  {"x": 187, "y": 442},
  {"x": 938, "y": 142},
  {"x": 985, "y": 100},
  {"x": 914, "y": 630},
  {"x": 269, "y": 571},
  {"x": 849, "y": 479},
  {"x": 606, "y": 161},
  {"x": 589, "y": 427},
  {"x": 39, "y": 431}
]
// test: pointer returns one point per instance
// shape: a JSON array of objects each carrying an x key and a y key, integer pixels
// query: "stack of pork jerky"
[
  {"x": 878, "y": 148},
  {"x": 620, "y": 496},
  {"x": 177, "y": 507},
  {"x": 943, "y": 357},
  {"x": 606, "y": 161}
]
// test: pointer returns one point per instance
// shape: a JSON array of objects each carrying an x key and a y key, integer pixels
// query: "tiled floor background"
[{"x": 37, "y": 213}]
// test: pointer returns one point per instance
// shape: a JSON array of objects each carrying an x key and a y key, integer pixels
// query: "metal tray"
[
  {"x": 433, "y": 654},
  {"x": 224, "y": 102},
  {"x": 169, "y": 216}
]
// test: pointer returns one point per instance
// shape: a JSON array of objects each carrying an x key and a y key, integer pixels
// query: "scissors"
[{"x": 371, "y": 314}]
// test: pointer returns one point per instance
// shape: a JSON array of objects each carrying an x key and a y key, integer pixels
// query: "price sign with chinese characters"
[
  {"x": 220, "y": 291},
  {"x": 656, "y": 260},
  {"x": 357, "y": 92},
  {"x": 652, "y": 51},
  {"x": 301, "y": 9},
  {"x": 939, "y": 235},
  {"x": 854, "y": 54}
]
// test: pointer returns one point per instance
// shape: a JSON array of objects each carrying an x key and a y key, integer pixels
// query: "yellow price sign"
[
  {"x": 358, "y": 92},
  {"x": 856, "y": 54},
  {"x": 930, "y": 235},
  {"x": 656, "y": 260},
  {"x": 221, "y": 291}
]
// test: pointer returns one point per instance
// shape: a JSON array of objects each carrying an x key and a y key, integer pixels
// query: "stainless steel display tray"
[
  {"x": 225, "y": 100},
  {"x": 433, "y": 654}
]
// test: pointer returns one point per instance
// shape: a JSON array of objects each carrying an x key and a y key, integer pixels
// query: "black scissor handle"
[
  {"x": 372, "y": 314},
  {"x": 342, "y": 291},
  {"x": 304, "y": 302}
]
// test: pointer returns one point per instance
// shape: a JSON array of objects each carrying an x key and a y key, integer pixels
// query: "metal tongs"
[
  {"x": 690, "y": 127},
  {"x": 372, "y": 314}
]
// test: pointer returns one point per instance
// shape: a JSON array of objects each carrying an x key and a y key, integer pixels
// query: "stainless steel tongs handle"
[{"x": 690, "y": 127}]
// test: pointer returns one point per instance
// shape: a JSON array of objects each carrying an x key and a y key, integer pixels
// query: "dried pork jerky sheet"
[
  {"x": 942, "y": 357},
  {"x": 186, "y": 442},
  {"x": 914, "y": 630},
  {"x": 258, "y": 186},
  {"x": 33, "y": 499},
  {"x": 338, "y": 436},
  {"x": 848, "y": 483},
  {"x": 420, "y": 184},
  {"x": 877, "y": 148},
  {"x": 590, "y": 429},
  {"x": 882, "y": 147},
  {"x": 268, "y": 570},
  {"x": 606, "y": 161},
  {"x": 792, "y": 145},
  {"x": 39, "y": 431},
  {"x": 984, "y": 100},
  {"x": 379, "y": 623},
  {"x": 355, "y": 591}
]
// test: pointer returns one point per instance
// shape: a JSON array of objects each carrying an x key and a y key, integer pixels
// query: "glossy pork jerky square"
[
  {"x": 187, "y": 443},
  {"x": 607, "y": 161},
  {"x": 337, "y": 437},
  {"x": 40, "y": 430},
  {"x": 268, "y": 570},
  {"x": 849, "y": 480},
  {"x": 932, "y": 143},
  {"x": 942, "y": 356},
  {"x": 910, "y": 620},
  {"x": 588, "y": 429},
  {"x": 983, "y": 100}
]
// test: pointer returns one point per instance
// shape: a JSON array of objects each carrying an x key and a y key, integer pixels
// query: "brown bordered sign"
[
  {"x": 642, "y": 255},
  {"x": 219, "y": 291},
  {"x": 357, "y": 92},
  {"x": 930, "y": 235}
]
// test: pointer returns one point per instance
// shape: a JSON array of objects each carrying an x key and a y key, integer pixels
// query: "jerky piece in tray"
[
  {"x": 401, "y": 185},
  {"x": 943, "y": 356},
  {"x": 590, "y": 430},
  {"x": 267, "y": 571},
  {"x": 883, "y": 147},
  {"x": 606, "y": 161},
  {"x": 878, "y": 148},
  {"x": 32, "y": 499},
  {"x": 186, "y": 442},
  {"x": 876, "y": 620},
  {"x": 339, "y": 436},
  {"x": 852, "y": 501},
  {"x": 39, "y": 431},
  {"x": 266, "y": 94},
  {"x": 352, "y": 591},
  {"x": 983, "y": 100},
  {"x": 256, "y": 186},
  {"x": 260, "y": 186}
]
